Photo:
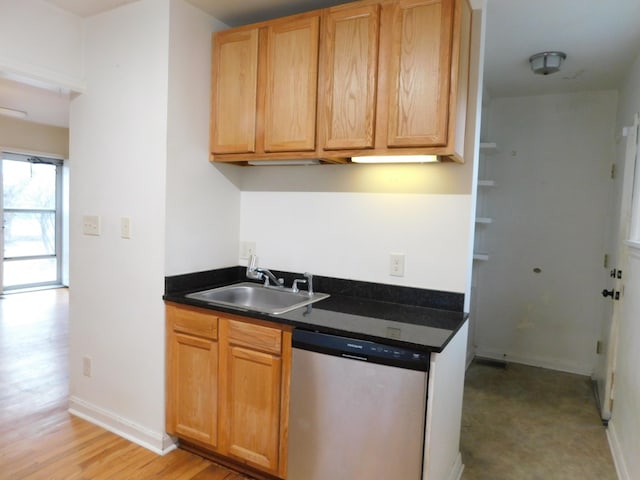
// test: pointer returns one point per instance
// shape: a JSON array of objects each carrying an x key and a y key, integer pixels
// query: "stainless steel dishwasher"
[{"x": 357, "y": 409}]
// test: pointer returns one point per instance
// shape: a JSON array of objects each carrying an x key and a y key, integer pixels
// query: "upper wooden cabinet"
[
  {"x": 264, "y": 88},
  {"x": 392, "y": 78},
  {"x": 395, "y": 78},
  {"x": 290, "y": 85},
  {"x": 419, "y": 65},
  {"x": 234, "y": 91},
  {"x": 350, "y": 59}
]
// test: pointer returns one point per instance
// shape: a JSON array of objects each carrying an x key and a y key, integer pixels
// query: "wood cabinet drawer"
[
  {"x": 257, "y": 337},
  {"x": 194, "y": 321}
]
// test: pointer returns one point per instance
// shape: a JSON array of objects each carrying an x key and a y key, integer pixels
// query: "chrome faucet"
[{"x": 257, "y": 273}]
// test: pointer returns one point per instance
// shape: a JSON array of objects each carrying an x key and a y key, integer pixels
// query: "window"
[{"x": 31, "y": 202}]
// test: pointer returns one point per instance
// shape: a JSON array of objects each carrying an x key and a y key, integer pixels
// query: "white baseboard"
[
  {"x": 616, "y": 452},
  {"x": 157, "y": 442},
  {"x": 456, "y": 469},
  {"x": 533, "y": 362}
]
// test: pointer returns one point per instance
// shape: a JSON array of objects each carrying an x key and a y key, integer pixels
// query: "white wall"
[
  {"x": 350, "y": 235},
  {"x": 41, "y": 42},
  {"x": 118, "y": 158},
  {"x": 22, "y": 136},
  {"x": 549, "y": 211},
  {"x": 624, "y": 427},
  {"x": 203, "y": 206},
  {"x": 444, "y": 410}
]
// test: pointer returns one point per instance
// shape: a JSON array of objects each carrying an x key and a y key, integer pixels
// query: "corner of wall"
[{"x": 157, "y": 442}]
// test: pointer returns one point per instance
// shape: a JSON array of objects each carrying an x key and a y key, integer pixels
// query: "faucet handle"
[
  {"x": 252, "y": 271},
  {"x": 309, "y": 278},
  {"x": 294, "y": 287}
]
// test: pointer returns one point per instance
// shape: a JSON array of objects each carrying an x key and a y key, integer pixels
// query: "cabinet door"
[
  {"x": 193, "y": 388},
  {"x": 420, "y": 70},
  {"x": 291, "y": 77},
  {"x": 234, "y": 91},
  {"x": 350, "y": 72},
  {"x": 251, "y": 407}
]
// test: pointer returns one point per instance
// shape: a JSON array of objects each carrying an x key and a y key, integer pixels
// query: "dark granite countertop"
[{"x": 424, "y": 320}]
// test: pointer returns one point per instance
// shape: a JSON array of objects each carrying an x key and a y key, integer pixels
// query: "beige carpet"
[{"x": 532, "y": 424}]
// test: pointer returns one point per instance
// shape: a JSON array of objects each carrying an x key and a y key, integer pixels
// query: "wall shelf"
[{"x": 483, "y": 193}]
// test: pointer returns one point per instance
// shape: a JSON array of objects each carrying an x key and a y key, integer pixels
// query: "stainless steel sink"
[{"x": 257, "y": 298}]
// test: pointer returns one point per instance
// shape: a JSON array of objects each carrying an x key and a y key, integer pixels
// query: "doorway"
[
  {"x": 31, "y": 221},
  {"x": 544, "y": 226}
]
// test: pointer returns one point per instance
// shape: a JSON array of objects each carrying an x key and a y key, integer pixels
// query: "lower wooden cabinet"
[
  {"x": 228, "y": 386},
  {"x": 192, "y": 371},
  {"x": 196, "y": 367}
]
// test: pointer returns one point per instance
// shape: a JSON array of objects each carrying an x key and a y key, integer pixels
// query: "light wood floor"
[{"x": 38, "y": 438}]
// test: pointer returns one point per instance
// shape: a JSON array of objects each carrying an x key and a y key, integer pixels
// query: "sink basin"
[{"x": 257, "y": 298}]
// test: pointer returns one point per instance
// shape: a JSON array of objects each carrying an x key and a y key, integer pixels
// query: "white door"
[{"x": 605, "y": 373}]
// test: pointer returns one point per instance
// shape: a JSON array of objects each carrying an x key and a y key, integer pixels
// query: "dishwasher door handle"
[{"x": 354, "y": 357}]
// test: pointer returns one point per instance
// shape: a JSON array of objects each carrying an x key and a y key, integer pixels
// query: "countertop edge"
[{"x": 180, "y": 298}]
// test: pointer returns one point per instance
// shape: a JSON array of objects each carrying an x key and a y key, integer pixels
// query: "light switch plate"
[
  {"x": 91, "y": 225},
  {"x": 125, "y": 227}
]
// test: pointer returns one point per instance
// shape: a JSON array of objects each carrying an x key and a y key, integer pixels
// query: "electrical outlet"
[
  {"x": 125, "y": 227},
  {"x": 393, "y": 332},
  {"x": 247, "y": 249},
  {"x": 86, "y": 366},
  {"x": 91, "y": 225},
  {"x": 396, "y": 267}
]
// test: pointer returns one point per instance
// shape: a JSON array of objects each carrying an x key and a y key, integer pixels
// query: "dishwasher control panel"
[{"x": 363, "y": 350}]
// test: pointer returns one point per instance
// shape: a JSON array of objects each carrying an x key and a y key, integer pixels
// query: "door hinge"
[
  {"x": 613, "y": 171},
  {"x": 606, "y": 260},
  {"x": 598, "y": 347}
]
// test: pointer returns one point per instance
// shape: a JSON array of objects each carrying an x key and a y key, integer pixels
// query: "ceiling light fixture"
[
  {"x": 396, "y": 159},
  {"x": 11, "y": 112},
  {"x": 546, "y": 63}
]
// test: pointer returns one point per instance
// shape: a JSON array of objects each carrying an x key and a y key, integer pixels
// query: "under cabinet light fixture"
[
  {"x": 396, "y": 159},
  {"x": 11, "y": 112},
  {"x": 280, "y": 163}
]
